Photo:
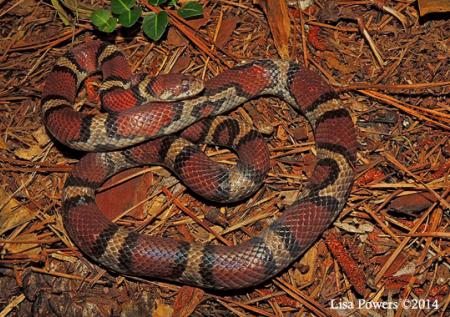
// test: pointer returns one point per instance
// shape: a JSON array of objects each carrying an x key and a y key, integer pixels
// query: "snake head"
[{"x": 172, "y": 87}]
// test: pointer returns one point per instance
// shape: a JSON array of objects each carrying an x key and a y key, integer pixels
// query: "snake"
[{"x": 136, "y": 128}]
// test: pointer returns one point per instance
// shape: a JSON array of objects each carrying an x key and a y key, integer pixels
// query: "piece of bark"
[
  {"x": 280, "y": 26},
  {"x": 433, "y": 6}
]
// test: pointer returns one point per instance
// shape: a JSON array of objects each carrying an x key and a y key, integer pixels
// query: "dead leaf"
[
  {"x": 174, "y": 38},
  {"x": 161, "y": 309},
  {"x": 280, "y": 25},
  {"x": 300, "y": 134},
  {"x": 408, "y": 269},
  {"x": 203, "y": 234},
  {"x": 13, "y": 214},
  {"x": 288, "y": 197},
  {"x": 379, "y": 244},
  {"x": 119, "y": 198},
  {"x": 282, "y": 134},
  {"x": 264, "y": 127},
  {"x": 433, "y": 6},
  {"x": 186, "y": 233},
  {"x": 3, "y": 145},
  {"x": 413, "y": 203},
  {"x": 355, "y": 227},
  {"x": 216, "y": 217},
  {"x": 334, "y": 63},
  {"x": 309, "y": 260},
  {"x": 226, "y": 30},
  {"x": 330, "y": 12},
  {"x": 29, "y": 153},
  {"x": 400, "y": 266},
  {"x": 187, "y": 300},
  {"x": 217, "y": 229},
  {"x": 181, "y": 64},
  {"x": 196, "y": 24},
  {"x": 23, "y": 8},
  {"x": 155, "y": 206},
  {"x": 309, "y": 161},
  {"x": 24, "y": 248},
  {"x": 282, "y": 300},
  {"x": 41, "y": 136}
]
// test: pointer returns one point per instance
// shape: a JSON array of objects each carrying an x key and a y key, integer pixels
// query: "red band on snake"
[{"x": 130, "y": 121}]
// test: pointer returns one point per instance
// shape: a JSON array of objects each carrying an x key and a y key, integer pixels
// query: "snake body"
[{"x": 150, "y": 127}]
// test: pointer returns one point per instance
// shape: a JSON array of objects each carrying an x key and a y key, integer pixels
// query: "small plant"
[{"x": 127, "y": 13}]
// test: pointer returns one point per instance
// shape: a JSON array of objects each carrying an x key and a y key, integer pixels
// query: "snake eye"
[{"x": 185, "y": 85}]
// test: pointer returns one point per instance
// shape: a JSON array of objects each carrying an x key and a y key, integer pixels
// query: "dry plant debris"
[{"x": 389, "y": 245}]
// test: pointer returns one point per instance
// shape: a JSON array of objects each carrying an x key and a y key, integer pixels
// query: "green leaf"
[
  {"x": 154, "y": 25},
  {"x": 122, "y": 6},
  {"x": 156, "y": 2},
  {"x": 190, "y": 9},
  {"x": 129, "y": 18},
  {"x": 172, "y": 3},
  {"x": 103, "y": 20}
]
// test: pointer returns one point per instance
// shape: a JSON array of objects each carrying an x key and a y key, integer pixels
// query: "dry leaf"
[
  {"x": 264, "y": 127},
  {"x": 282, "y": 134},
  {"x": 359, "y": 106},
  {"x": 29, "y": 153},
  {"x": 413, "y": 202},
  {"x": 155, "y": 206},
  {"x": 41, "y": 136},
  {"x": 119, "y": 198},
  {"x": 288, "y": 197},
  {"x": 217, "y": 229},
  {"x": 11, "y": 215},
  {"x": 196, "y": 24},
  {"x": 357, "y": 227},
  {"x": 408, "y": 269},
  {"x": 300, "y": 134},
  {"x": 309, "y": 260},
  {"x": 182, "y": 63},
  {"x": 433, "y": 6},
  {"x": 187, "y": 300},
  {"x": 3, "y": 145},
  {"x": 175, "y": 39},
  {"x": 216, "y": 217},
  {"x": 24, "y": 248},
  {"x": 334, "y": 63},
  {"x": 203, "y": 234},
  {"x": 22, "y": 8},
  {"x": 278, "y": 17},
  {"x": 226, "y": 30},
  {"x": 161, "y": 309}
]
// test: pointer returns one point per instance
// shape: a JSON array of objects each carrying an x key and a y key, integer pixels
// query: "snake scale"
[{"x": 134, "y": 132}]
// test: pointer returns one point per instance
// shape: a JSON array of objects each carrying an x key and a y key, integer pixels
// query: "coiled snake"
[{"x": 129, "y": 120}]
